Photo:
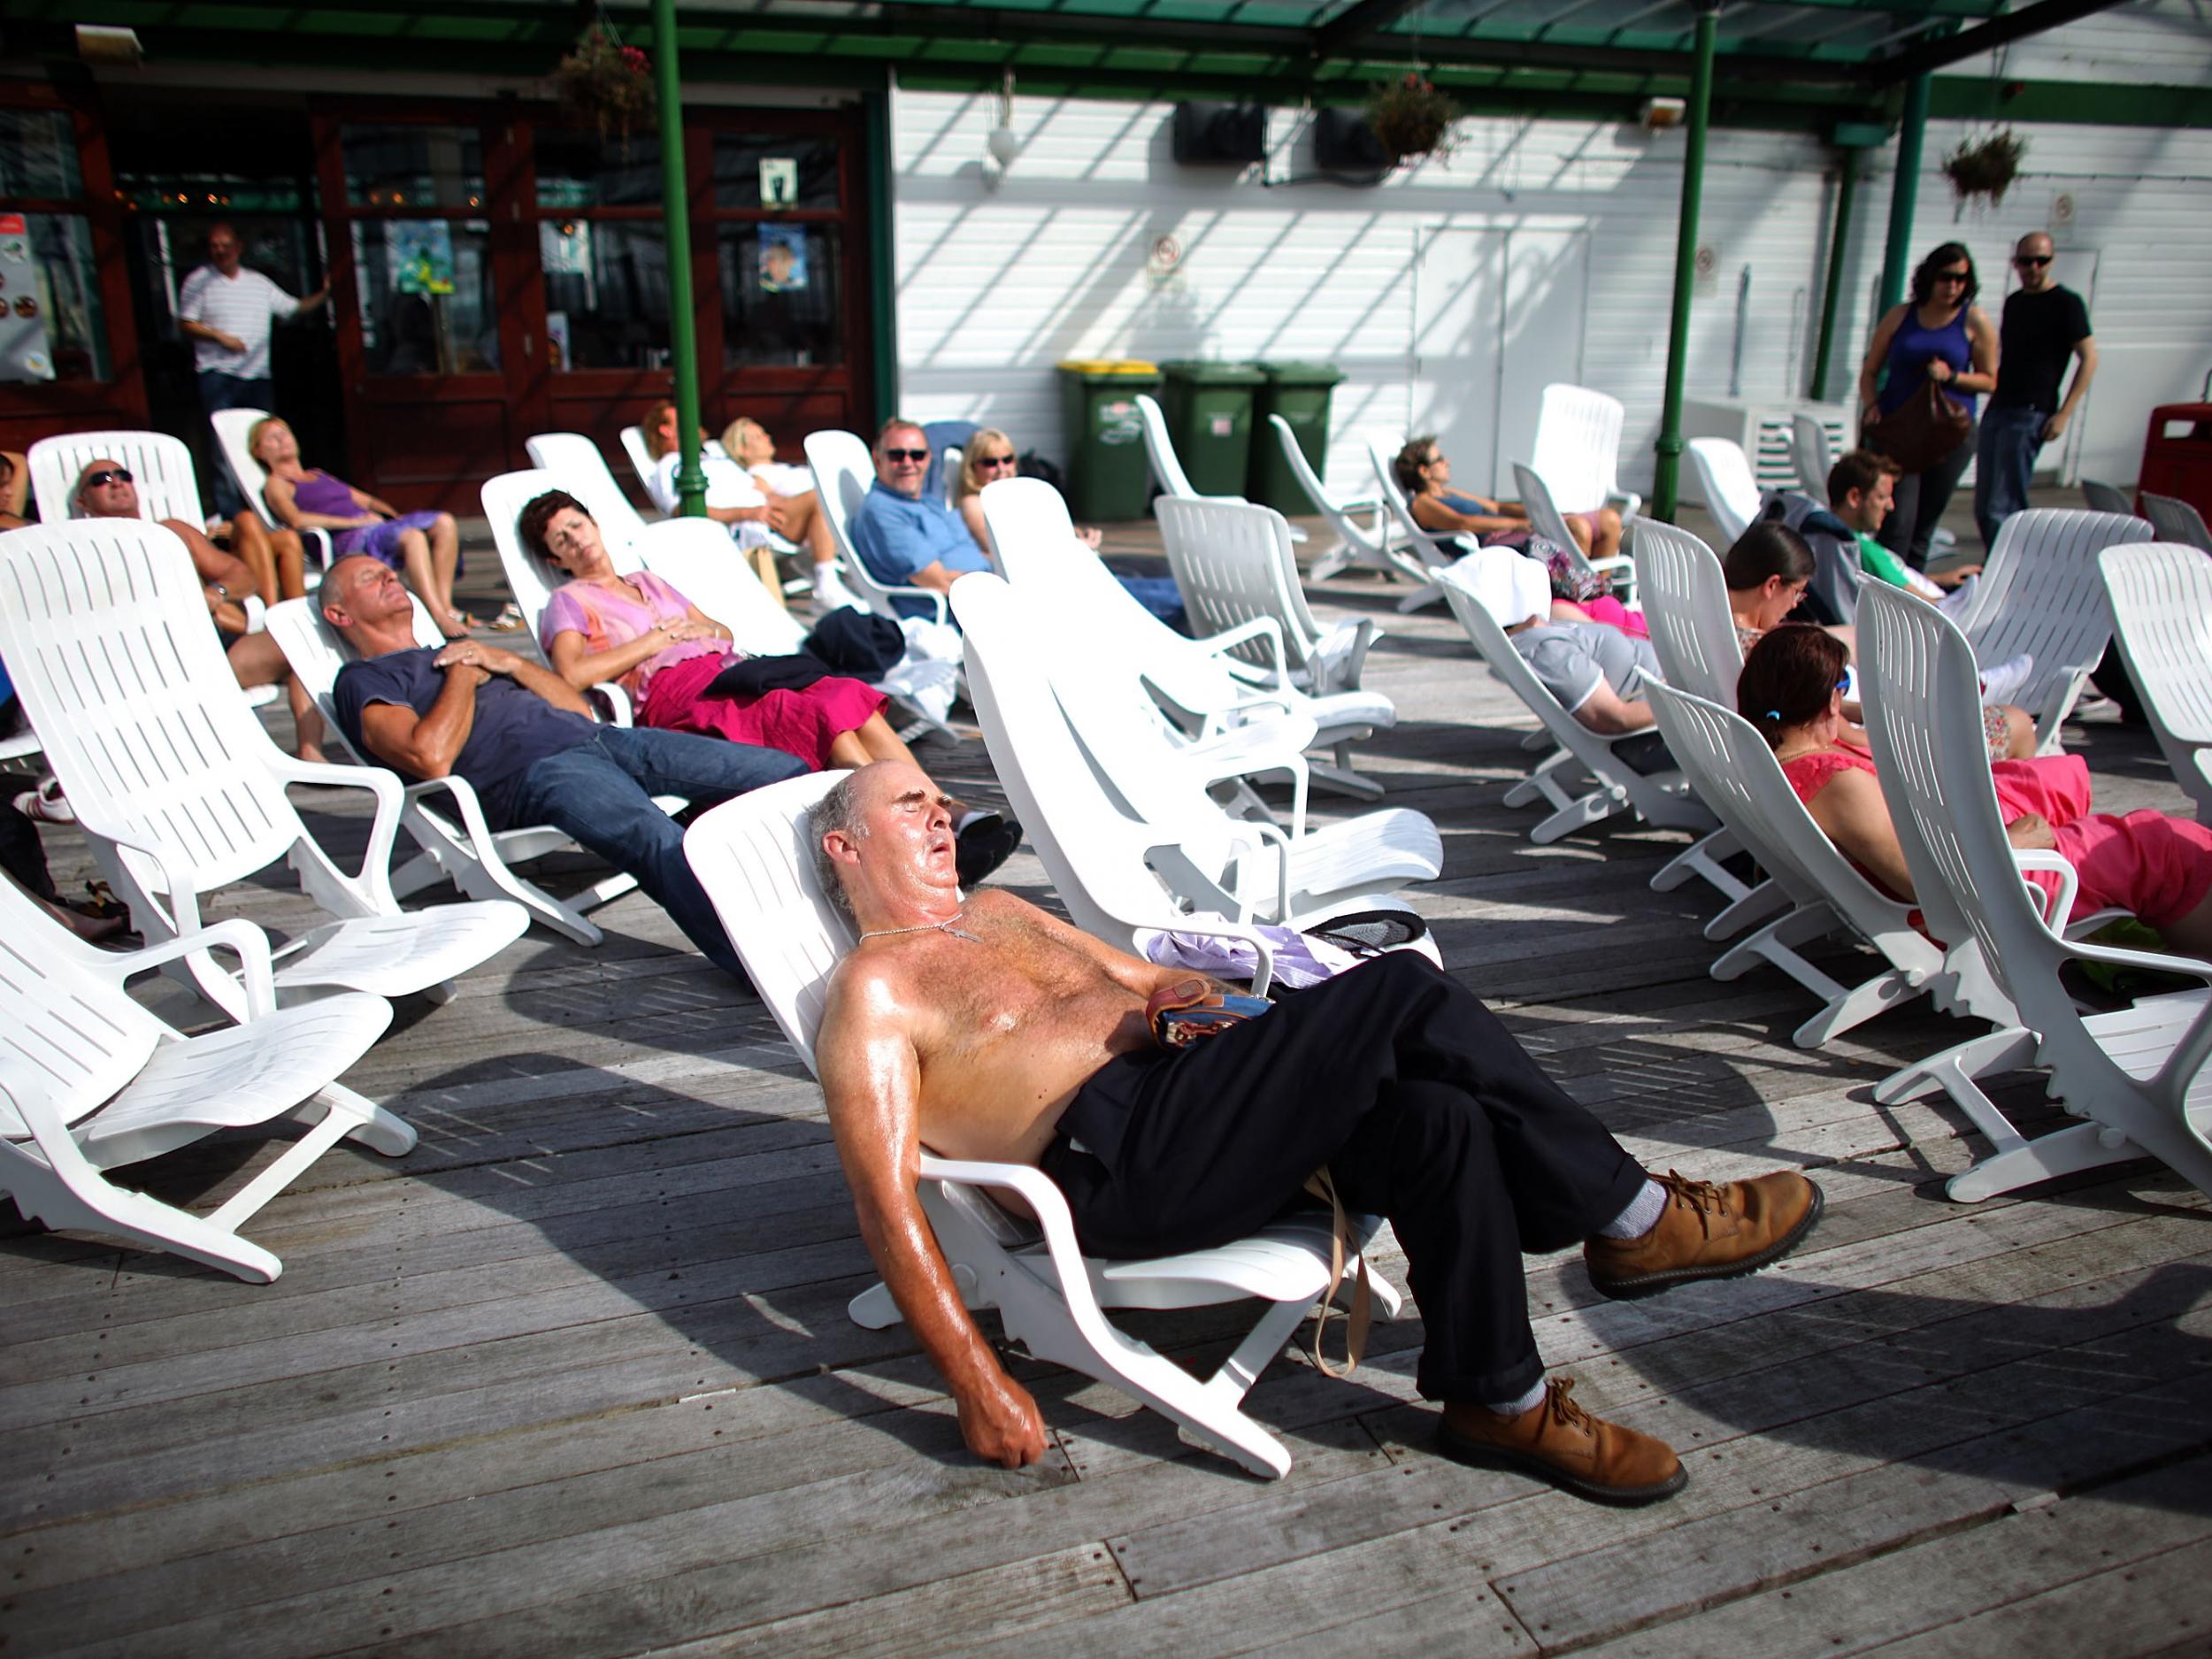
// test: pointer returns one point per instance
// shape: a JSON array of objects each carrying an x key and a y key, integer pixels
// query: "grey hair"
[{"x": 839, "y": 812}]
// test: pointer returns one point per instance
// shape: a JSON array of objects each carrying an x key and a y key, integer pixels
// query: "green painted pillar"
[
  {"x": 1670, "y": 445},
  {"x": 1897, "y": 254},
  {"x": 691, "y": 481},
  {"x": 883, "y": 337},
  {"x": 1839, "y": 247}
]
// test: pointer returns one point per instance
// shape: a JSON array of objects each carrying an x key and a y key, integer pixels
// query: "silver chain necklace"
[{"x": 945, "y": 926}]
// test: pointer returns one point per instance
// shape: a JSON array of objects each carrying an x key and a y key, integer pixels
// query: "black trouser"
[
  {"x": 1425, "y": 1109},
  {"x": 1921, "y": 498}
]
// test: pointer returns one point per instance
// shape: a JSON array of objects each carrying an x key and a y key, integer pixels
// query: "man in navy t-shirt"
[
  {"x": 524, "y": 741},
  {"x": 903, "y": 532},
  {"x": 2045, "y": 324}
]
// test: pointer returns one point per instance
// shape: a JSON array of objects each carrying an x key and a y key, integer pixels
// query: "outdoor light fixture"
[
  {"x": 1660, "y": 114},
  {"x": 1005, "y": 143},
  {"x": 98, "y": 44}
]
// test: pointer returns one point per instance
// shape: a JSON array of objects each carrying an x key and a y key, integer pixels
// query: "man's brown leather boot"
[
  {"x": 1556, "y": 1440},
  {"x": 1707, "y": 1231}
]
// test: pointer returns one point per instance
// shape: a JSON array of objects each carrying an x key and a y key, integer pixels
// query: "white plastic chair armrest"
[
  {"x": 1208, "y": 925},
  {"x": 375, "y": 873},
  {"x": 1045, "y": 1200},
  {"x": 1259, "y": 627},
  {"x": 237, "y": 934},
  {"x": 614, "y": 700},
  {"x": 464, "y": 801},
  {"x": 2058, "y": 906},
  {"x": 184, "y": 901},
  {"x": 1267, "y": 835},
  {"x": 941, "y": 602}
]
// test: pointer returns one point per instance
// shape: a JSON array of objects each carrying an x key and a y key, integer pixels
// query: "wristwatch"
[{"x": 221, "y": 591}]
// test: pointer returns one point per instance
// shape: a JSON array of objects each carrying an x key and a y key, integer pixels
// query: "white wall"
[{"x": 996, "y": 285}]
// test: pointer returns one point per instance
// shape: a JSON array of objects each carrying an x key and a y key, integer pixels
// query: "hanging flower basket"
[
  {"x": 607, "y": 84},
  {"x": 1986, "y": 168},
  {"x": 1410, "y": 117}
]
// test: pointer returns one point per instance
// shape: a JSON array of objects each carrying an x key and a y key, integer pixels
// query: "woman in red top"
[{"x": 2157, "y": 866}]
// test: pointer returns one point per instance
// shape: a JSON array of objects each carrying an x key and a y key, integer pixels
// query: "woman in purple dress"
[
  {"x": 645, "y": 636},
  {"x": 424, "y": 546},
  {"x": 1938, "y": 334}
]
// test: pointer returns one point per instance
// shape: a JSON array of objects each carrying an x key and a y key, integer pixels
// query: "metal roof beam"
[
  {"x": 1357, "y": 22},
  {"x": 1919, "y": 60}
]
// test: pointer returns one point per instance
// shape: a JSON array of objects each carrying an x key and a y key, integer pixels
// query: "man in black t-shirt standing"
[{"x": 2044, "y": 325}]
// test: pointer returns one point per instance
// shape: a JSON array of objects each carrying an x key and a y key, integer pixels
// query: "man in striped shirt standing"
[{"x": 226, "y": 310}]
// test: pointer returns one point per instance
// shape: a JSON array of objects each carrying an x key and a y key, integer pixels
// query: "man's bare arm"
[{"x": 872, "y": 1076}]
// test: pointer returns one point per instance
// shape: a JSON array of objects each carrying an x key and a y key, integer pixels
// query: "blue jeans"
[
  {"x": 219, "y": 390},
  {"x": 602, "y": 793},
  {"x": 2011, "y": 439}
]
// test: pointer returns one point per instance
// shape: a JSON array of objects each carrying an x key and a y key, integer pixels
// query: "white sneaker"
[
  {"x": 2003, "y": 682},
  {"x": 830, "y": 591}
]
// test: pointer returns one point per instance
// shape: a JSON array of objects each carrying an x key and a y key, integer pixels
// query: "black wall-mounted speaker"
[
  {"x": 1233, "y": 132},
  {"x": 1343, "y": 142}
]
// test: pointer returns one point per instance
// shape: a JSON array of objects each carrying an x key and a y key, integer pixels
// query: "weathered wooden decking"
[{"x": 575, "y": 1377}]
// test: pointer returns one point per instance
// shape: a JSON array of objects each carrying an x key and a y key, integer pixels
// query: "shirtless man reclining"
[{"x": 986, "y": 1029}]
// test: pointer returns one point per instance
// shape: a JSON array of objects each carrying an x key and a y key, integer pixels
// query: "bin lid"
[
  {"x": 1311, "y": 374},
  {"x": 1108, "y": 365},
  {"x": 1212, "y": 373}
]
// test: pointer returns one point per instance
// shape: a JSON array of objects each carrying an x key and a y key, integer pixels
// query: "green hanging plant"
[
  {"x": 1988, "y": 168},
  {"x": 1410, "y": 117},
  {"x": 608, "y": 84}
]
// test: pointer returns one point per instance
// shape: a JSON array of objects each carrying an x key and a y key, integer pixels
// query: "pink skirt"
[
  {"x": 800, "y": 722},
  {"x": 2157, "y": 866}
]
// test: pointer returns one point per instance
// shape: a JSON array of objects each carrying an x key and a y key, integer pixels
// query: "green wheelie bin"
[
  {"x": 1299, "y": 392},
  {"x": 1108, "y": 478},
  {"x": 1209, "y": 410}
]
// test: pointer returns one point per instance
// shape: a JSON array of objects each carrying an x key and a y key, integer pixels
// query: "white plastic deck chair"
[
  {"x": 1685, "y": 607},
  {"x": 1581, "y": 756},
  {"x": 575, "y": 461},
  {"x": 1159, "y": 449},
  {"x": 2176, "y": 520},
  {"x": 176, "y": 785},
  {"x": 752, "y": 855},
  {"x": 443, "y": 816},
  {"x": 91, "y": 1081},
  {"x": 844, "y": 473},
  {"x": 531, "y": 577},
  {"x": 1726, "y": 485},
  {"x": 2042, "y": 593},
  {"x": 641, "y": 458},
  {"x": 1578, "y": 446},
  {"x": 2161, "y": 594},
  {"x": 1233, "y": 562},
  {"x": 2136, "y": 1076},
  {"x": 159, "y": 465},
  {"x": 1356, "y": 543},
  {"x": 232, "y": 429},
  {"x": 1545, "y": 518},
  {"x": 1735, "y": 773},
  {"x": 1035, "y": 543},
  {"x": 1234, "y": 867},
  {"x": 1424, "y": 555},
  {"x": 1809, "y": 452}
]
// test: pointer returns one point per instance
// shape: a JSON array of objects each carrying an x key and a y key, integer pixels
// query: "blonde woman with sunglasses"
[{"x": 988, "y": 457}]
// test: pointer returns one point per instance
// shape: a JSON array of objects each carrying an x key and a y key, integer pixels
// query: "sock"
[
  {"x": 1514, "y": 1407},
  {"x": 1642, "y": 1216}
]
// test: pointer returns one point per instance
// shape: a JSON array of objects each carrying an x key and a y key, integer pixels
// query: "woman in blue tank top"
[{"x": 1939, "y": 334}]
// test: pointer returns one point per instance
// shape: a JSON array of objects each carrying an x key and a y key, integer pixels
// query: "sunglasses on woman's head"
[
  {"x": 111, "y": 475},
  {"x": 2030, "y": 258},
  {"x": 906, "y": 455}
]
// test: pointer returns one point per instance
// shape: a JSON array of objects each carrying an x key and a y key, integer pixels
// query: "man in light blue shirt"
[{"x": 905, "y": 534}]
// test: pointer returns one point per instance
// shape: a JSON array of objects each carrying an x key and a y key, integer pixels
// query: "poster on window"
[
  {"x": 782, "y": 258},
  {"x": 24, "y": 354},
  {"x": 422, "y": 256},
  {"x": 778, "y": 181}
]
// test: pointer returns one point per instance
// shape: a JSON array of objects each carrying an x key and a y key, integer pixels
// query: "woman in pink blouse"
[
  {"x": 639, "y": 632},
  {"x": 2157, "y": 866}
]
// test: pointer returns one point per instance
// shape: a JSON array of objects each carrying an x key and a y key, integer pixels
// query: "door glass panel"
[
  {"x": 426, "y": 296},
  {"x": 408, "y": 166},
  {"x": 606, "y": 294},
  {"x": 578, "y": 169},
  {"x": 51, "y": 325},
  {"x": 779, "y": 299},
  {"x": 760, "y": 171},
  {"x": 38, "y": 154}
]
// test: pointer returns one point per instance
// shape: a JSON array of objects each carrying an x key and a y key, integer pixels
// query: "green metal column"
[
  {"x": 691, "y": 481},
  {"x": 1897, "y": 255},
  {"x": 883, "y": 335},
  {"x": 1839, "y": 246},
  {"x": 1670, "y": 445}
]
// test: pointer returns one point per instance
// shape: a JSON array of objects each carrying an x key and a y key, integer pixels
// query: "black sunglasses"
[
  {"x": 108, "y": 475},
  {"x": 2030, "y": 258},
  {"x": 1953, "y": 276},
  {"x": 906, "y": 455},
  {"x": 995, "y": 460}
]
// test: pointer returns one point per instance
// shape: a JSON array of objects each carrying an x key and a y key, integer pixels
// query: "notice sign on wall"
[
  {"x": 779, "y": 181},
  {"x": 24, "y": 354}
]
